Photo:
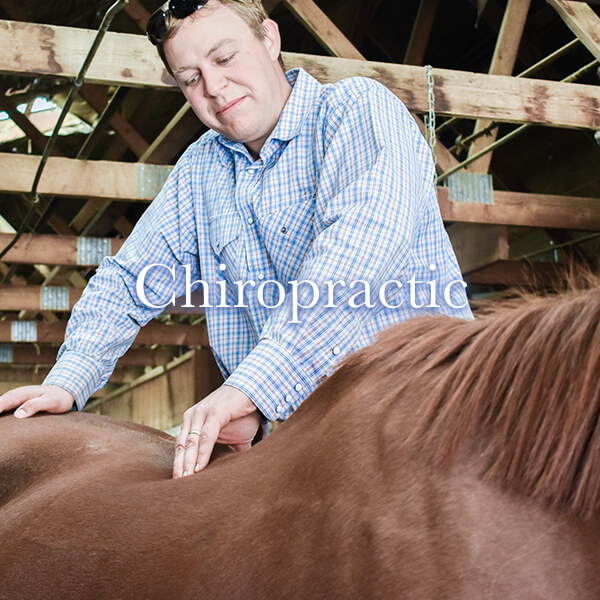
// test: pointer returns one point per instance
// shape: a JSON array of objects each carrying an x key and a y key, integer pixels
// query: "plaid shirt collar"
[{"x": 305, "y": 91}]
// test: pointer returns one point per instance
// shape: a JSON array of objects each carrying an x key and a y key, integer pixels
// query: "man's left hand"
[{"x": 226, "y": 416}]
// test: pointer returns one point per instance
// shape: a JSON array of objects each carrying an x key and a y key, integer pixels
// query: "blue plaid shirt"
[{"x": 342, "y": 191}]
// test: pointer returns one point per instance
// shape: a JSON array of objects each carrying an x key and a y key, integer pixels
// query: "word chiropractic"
[{"x": 298, "y": 295}]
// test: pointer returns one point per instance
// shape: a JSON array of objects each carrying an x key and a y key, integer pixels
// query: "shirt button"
[
  {"x": 261, "y": 276},
  {"x": 298, "y": 387},
  {"x": 222, "y": 267},
  {"x": 279, "y": 409},
  {"x": 284, "y": 229},
  {"x": 288, "y": 398},
  {"x": 250, "y": 220},
  {"x": 218, "y": 243},
  {"x": 336, "y": 350}
]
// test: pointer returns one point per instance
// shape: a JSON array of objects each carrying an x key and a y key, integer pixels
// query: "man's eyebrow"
[
  {"x": 219, "y": 44},
  {"x": 211, "y": 51}
]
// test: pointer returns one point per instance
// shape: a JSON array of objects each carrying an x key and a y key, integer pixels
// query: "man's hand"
[
  {"x": 226, "y": 416},
  {"x": 31, "y": 399}
]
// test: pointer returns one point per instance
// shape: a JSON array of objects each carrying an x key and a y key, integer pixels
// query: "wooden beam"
[
  {"x": 29, "y": 354},
  {"x": 477, "y": 246},
  {"x": 153, "y": 333},
  {"x": 7, "y": 228},
  {"x": 421, "y": 32},
  {"x": 503, "y": 63},
  {"x": 32, "y": 298},
  {"x": 582, "y": 21},
  {"x": 28, "y": 48},
  {"x": 29, "y": 297},
  {"x": 323, "y": 29},
  {"x": 80, "y": 178},
  {"x": 50, "y": 249},
  {"x": 71, "y": 177},
  {"x": 31, "y": 375},
  {"x": 528, "y": 210}
]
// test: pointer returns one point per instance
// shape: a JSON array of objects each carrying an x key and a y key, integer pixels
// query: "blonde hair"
[{"x": 251, "y": 11}]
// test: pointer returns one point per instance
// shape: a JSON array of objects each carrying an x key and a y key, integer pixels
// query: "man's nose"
[{"x": 214, "y": 81}]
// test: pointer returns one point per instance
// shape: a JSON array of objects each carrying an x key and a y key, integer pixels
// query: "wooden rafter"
[
  {"x": 31, "y": 375},
  {"x": 503, "y": 63},
  {"x": 40, "y": 248},
  {"x": 31, "y": 298},
  {"x": 97, "y": 178},
  {"x": 582, "y": 21},
  {"x": 421, "y": 32},
  {"x": 323, "y": 29},
  {"x": 152, "y": 333},
  {"x": 35, "y": 49},
  {"x": 112, "y": 179},
  {"x": 27, "y": 354},
  {"x": 528, "y": 210}
]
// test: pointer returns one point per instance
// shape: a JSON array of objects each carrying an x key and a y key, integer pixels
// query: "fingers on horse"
[
  {"x": 204, "y": 430},
  {"x": 210, "y": 432},
  {"x": 46, "y": 402},
  {"x": 18, "y": 397},
  {"x": 180, "y": 443},
  {"x": 188, "y": 441}
]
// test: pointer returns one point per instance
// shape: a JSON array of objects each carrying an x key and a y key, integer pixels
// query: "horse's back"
[{"x": 47, "y": 452}]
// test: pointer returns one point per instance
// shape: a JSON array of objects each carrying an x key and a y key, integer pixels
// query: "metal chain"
[{"x": 430, "y": 119}]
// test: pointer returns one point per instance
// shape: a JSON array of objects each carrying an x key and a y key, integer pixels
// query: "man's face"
[{"x": 230, "y": 77}]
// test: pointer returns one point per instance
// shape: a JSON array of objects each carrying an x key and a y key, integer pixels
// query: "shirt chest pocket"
[
  {"x": 225, "y": 229},
  {"x": 288, "y": 234}
]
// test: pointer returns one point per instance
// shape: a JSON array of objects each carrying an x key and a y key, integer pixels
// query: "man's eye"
[
  {"x": 226, "y": 59},
  {"x": 193, "y": 80}
]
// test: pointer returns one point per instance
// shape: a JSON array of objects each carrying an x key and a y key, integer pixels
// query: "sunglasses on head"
[{"x": 158, "y": 24}]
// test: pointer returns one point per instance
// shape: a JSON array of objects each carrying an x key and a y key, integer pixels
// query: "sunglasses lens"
[
  {"x": 181, "y": 9},
  {"x": 157, "y": 27}
]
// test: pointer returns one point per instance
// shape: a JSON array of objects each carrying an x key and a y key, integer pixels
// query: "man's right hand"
[{"x": 31, "y": 399}]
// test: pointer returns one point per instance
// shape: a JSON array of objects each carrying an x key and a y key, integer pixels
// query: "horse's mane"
[{"x": 519, "y": 387}]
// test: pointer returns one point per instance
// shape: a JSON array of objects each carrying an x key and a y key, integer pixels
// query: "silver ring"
[{"x": 194, "y": 432}]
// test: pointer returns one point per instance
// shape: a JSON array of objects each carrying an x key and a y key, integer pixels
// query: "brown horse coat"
[{"x": 450, "y": 460}]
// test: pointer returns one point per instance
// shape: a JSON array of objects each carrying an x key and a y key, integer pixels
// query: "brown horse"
[{"x": 450, "y": 460}]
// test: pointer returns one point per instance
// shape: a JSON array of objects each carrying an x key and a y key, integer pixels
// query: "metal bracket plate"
[{"x": 471, "y": 187}]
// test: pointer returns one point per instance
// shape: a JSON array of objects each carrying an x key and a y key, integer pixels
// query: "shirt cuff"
[
  {"x": 272, "y": 379},
  {"x": 76, "y": 373}
]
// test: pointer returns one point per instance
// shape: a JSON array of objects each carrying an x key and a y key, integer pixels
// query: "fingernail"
[
  {"x": 20, "y": 413},
  {"x": 185, "y": 473}
]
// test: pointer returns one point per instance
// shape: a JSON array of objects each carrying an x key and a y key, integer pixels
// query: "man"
[{"x": 297, "y": 185}]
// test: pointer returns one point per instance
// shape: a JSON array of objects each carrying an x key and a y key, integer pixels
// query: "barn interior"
[{"x": 506, "y": 92}]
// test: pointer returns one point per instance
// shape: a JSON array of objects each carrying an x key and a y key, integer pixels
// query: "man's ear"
[{"x": 272, "y": 38}]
